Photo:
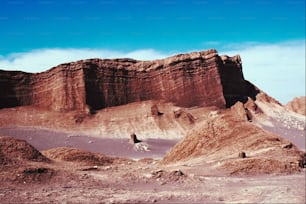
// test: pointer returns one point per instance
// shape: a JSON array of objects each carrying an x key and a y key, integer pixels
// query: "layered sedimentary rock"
[
  {"x": 194, "y": 79},
  {"x": 61, "y": 88}
]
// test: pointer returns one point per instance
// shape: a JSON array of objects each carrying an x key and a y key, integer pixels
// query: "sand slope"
[
  {"x": 220, "y": 139},
  {"x": 15, "y": 151}
]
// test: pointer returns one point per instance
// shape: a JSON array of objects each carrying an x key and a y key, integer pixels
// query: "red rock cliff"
[
  {"x": 194, "y": 79},
  {"x": 61, "y": 88}
]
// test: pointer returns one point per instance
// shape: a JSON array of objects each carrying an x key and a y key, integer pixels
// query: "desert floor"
[{"x": 139, "y": 179}]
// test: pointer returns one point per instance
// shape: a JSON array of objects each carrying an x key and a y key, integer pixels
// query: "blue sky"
[{"x": 38, "y": 34}]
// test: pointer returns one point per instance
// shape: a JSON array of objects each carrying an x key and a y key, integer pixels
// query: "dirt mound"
[
  {"x": 168, "y": 176},
  {"x": 220, "y": 139},
  {"x": 79, "y": 156},
  {"x": 15, "y": 151},
  {"x": 297, "y": 105},
  {"x": 257, "y": 166}
]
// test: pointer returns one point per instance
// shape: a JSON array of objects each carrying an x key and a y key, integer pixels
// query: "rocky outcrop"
[
  {"x": 297, "y": 105},
  {"x": 194, "y": 79},
  {"x": 235, "y": 87},
  {"x": 221, "y": 138},
  {"x": 246, "y": 111},
  {"x": 134, "y": 139}
]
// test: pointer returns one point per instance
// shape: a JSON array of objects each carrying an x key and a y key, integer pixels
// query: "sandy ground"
[
  {"x": 289, "y": 125},
  {"x": 46, "y": 139},
  {"x": 201, "y": 190},
  {"x": 296, "y": 136},
  {"x": 149, "y": 182},
  {"x": 138, "y": 180}
]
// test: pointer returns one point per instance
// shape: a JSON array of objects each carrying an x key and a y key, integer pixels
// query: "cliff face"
[
  {"x": 235, "y": 87},
  {"x": 61, "y": 88},
  {"x": 194, "y": 79},
  {"x": 15, "y": 88}
]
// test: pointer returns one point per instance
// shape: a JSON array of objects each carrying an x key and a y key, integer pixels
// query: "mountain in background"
[{"x": 298, "y": 105}]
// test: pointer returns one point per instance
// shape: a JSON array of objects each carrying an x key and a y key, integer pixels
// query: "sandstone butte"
[{"x": 194, "y": 79}]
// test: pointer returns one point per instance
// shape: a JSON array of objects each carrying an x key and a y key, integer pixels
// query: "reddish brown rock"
[
  {"x": 245, "y": 111},
  {"x": 261, "y": 96},
  {"x": 239, "y": 111},
  {"x": 134, "y": 139},
  {"x": 60, "y": 88},
  {"x": 181, "y": 113},
  {"x": 218, "y": 140},
  {"x": 251, "y": 106},
  {"x": 235, "y": 87},
  {"x": 155, "y": 111},
  {"x": 194, "y": 79},
  {"x": 297, "y": 105},
  {"x": 242, "y": 155}
]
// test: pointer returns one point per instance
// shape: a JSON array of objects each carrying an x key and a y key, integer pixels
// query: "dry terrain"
[
  {"x": 72, "y": 175},
  {"x": 184, "y": 129},
  {"x": 77, "y": 164},
  {"x": 297, "y": 105}
]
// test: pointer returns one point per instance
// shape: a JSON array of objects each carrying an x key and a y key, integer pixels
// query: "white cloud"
[
  {"x": 43, "y": 59},
  {"x": 278, "y": 69}
]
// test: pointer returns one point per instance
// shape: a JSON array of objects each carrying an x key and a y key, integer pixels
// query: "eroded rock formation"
[
  {"x": 194, "y": 79},
  {"x": 297, "y": 105},
  {"x": 220, "y": 138},
  {"x": 61, "y": 88}
]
